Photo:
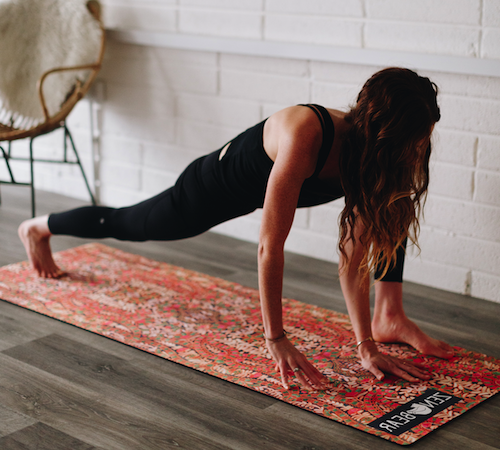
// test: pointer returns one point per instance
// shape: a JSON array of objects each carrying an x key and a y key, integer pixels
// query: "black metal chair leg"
[
  {"x": 67, "y": 134},
  {"x": 32, "y": 183}
]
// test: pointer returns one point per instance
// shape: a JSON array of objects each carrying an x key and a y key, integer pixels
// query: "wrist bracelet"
[
  {"x": 279, "y": 338},
  {"x": 364, "y": 340}
]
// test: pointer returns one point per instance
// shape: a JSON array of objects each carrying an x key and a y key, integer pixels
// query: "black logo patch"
[{"x": 416, "y": 411}]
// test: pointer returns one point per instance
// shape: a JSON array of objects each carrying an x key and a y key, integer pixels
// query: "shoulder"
[
  {"x": 296, "y": 118},
  {"x": 295, "y": 127}
]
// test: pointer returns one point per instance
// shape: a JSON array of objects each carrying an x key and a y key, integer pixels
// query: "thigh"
[{"x": 198, "y": 201}]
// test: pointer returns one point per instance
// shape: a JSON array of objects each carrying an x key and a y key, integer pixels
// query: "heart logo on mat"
[{"x": 419, "y": 409}]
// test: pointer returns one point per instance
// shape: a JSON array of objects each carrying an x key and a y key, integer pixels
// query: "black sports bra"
[{"x": 315, "y": 191}]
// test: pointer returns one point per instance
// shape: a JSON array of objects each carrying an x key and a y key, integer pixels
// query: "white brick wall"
[
  {"x": 423, "y": 38},
  {"x": 337, "y": 8},
  {"x": 153, "y": 17},
  {"x": 220, "y": 23},
  {"x": 165, "y": 107},
  {"x": 313, "y": 29},
  {"x": 465, "y": 12}
]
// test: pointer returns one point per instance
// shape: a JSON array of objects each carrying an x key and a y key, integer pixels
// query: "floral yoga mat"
[{"x": 214, "y": 326}]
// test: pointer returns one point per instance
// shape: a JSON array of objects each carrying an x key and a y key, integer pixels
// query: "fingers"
[
  {"x": 302, "y": 379},
  {"x": 403, "y": 369},
  {"x": 379, "y": 375},
  {"x": 306, "y": 374},
  {"x": 415, "y": 370},
  {"x": 284, "y": 377},
  {"x": 407, "y": 372},
  {"x": 291, "y": 363},
  {"x": 307, "y": 381},
  {"x": 316, "y": 379}
]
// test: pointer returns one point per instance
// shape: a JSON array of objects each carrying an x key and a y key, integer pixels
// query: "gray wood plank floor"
[{"x": 66, "y": 388}]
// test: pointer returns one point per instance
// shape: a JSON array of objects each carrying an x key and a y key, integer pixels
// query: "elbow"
[
  {"x": 269, "y": 250},
  {"x": 261, "y": 250}
]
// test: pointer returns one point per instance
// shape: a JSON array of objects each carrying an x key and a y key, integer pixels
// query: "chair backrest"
[{"x": 43, "y": 43}]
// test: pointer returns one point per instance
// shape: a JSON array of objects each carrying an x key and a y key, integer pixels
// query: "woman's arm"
[
  {"x": 298, "y": 137},
  {"x": 356, "y": 293}
]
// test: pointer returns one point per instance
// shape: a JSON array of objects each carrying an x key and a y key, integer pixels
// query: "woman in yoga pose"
[{"x": 376, "y": 155}]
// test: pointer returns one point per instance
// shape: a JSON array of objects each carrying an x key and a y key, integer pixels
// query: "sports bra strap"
[{"x": 328, "y": 135}]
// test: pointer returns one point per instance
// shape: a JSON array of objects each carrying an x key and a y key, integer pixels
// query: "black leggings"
[
  {"x": 194, "y": 205},
  {"x": 395, "y": 272},
  {"x": 157, "y": 219},
  {"x": 209, "y": 192}
]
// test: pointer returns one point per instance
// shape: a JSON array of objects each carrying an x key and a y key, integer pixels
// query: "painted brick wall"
[{"x": 165, "y": 107}]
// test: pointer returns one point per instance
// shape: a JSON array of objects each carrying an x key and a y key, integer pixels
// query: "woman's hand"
[
  {"x": 378, "y": 364},
  {"x": 289, "y": 361}
]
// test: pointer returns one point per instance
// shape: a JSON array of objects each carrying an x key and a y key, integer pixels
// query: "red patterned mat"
[{"x": 214, "y": 326}]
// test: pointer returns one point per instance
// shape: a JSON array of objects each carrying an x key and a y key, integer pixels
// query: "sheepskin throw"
[{"x": 36, "y": 36}]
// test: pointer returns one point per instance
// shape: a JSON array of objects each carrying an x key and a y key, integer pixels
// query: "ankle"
[
  {"x": 388, "y": 311},
  {"x": 388, "y": 302},
  {"x": 37, "y": 227}
]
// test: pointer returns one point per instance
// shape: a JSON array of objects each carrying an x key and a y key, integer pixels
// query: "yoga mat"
[{"x": 215, "y": 326}]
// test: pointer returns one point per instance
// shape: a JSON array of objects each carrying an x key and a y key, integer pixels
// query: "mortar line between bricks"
[{"x": 464, "y": 202}]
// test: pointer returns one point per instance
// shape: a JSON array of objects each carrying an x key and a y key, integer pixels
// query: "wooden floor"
[{"x": 65, "y": 388}]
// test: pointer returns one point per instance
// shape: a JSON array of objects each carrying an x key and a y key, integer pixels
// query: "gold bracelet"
[
  {"x": 279, "y": 338},
  {"x": 364, "y": 340}
]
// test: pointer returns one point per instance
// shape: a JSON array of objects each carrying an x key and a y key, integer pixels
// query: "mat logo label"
[{"x": 416, "y": 411}]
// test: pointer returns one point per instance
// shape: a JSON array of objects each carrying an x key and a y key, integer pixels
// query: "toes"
[
  {"x": 437, "y": 350},
  {"x": 445, "y": 346},
  {"x": 48, "y": 272},
  {"x": 448, "y": 349}
]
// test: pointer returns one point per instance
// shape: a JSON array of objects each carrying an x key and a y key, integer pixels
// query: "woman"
[{"x": 376, "y": 155}]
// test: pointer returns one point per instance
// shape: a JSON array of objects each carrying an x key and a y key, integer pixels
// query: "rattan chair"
[{"x": 15, "y": 125}]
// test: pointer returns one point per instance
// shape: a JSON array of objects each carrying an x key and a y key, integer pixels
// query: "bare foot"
[
  {"x": 401, "y": 329},
  {"x": 35, "y": 236}
]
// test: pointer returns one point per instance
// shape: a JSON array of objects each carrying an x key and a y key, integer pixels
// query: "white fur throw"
[{"x": 36, "y": 36}]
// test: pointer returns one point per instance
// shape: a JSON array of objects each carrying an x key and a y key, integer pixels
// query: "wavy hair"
[{"x": 384, "y": 164}]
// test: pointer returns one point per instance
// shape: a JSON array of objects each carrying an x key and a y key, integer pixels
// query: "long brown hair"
[{"x": 384, "y": 163}]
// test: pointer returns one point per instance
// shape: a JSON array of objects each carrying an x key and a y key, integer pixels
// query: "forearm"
[
  {"x": 271, "y": 264},
  {"x": 355, "y": 288},
  {"x": 356, "y": 293}
]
